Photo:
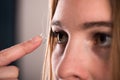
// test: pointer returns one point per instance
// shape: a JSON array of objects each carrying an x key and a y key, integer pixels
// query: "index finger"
[{"x": 15, "y": 52}]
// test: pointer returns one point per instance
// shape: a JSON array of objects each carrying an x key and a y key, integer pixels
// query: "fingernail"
[{"x": 36, "y": 39}]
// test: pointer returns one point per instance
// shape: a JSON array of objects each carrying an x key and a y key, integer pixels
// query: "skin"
[
  {"x": 83, "y": 57},
  {"x": 14, "y": 53}
]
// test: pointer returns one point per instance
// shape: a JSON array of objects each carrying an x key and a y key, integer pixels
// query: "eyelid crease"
[{"x": 56, "y": 23}]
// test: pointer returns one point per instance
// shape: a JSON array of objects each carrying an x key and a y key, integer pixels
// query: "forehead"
[{"x": 83, "y": 10}]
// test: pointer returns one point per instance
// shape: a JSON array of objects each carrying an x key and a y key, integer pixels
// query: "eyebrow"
[
  {"x": 97, "y": 24},
  {"x": 87, "y": 25}
]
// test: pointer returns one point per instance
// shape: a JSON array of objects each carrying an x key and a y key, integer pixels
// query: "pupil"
[
  {"x": 60, "y": 36},
  {"x": 102, "y": 38}
]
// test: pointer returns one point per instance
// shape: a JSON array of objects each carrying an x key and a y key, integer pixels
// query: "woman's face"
[{"x": 82, "y": 32}]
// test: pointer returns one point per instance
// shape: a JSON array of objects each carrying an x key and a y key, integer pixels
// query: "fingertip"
[
  {"x": 37, "y": 39},
  {"x": 15, "y": 52},
  {"x": 32, "y": 44}
]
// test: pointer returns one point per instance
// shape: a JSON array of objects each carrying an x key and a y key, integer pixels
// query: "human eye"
[
  {"x": 61, "y": 37},
  {"x": 102, "y": 40}
]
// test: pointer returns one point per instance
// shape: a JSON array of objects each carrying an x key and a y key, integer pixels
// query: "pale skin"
[
  {"x": 83, "y": 29},
  {"x": 82, "y": 51},
  {"x": 14, "y": 53}
]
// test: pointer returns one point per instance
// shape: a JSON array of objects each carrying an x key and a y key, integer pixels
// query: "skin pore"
[{"x": 82, "y": 33}]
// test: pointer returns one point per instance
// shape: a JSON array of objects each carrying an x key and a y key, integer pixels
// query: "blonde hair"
[
  {"x": 115, "y": 48},
  {"x": 47, "y": 67}
]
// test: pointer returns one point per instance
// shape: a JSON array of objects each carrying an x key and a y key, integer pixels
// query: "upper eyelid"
[
  {"x": 54, "y": 29},
  {"x": 102, "y": 33},
  {"x": 56, "y": 26},
  {"x": 56, "y": 23}
]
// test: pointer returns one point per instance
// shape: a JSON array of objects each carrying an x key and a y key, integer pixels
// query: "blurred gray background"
[
  {"x": 20, "y": 20},
  {"x": 32, "y": 20}
]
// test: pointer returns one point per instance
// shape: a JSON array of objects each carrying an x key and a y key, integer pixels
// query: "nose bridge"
[
  {"x": 71, "y": 63},
  {"x": 74, "y": 49}
]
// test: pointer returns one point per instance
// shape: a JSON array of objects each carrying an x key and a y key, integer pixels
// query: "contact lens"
[{"x": 44, "y": 38}]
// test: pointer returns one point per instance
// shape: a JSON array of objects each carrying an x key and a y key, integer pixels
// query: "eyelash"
[{"x": 100, "y": 39}]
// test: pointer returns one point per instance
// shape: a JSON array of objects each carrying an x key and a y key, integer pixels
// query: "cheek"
[
  {"x": 100, "y": 71},
  {"x": 98, "y": 68},
  {"x": 97, "y": 62},
  {"x": 56, "y": 56}
]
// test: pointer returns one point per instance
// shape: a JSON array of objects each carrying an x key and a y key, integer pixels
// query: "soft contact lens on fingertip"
[
  {"x": 42, "y": 35},
  {"x": 44, "y": 38}
]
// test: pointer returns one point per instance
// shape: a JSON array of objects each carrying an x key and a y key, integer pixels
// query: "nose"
[{"x": 73, "y": 63}]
